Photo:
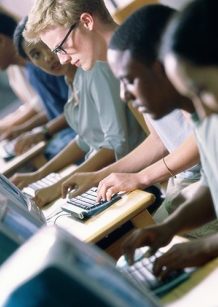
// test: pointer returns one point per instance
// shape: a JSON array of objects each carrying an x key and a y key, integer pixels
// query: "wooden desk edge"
[
  {"x": 139, "y": 207},
  {"x": 20, "y": 160}
]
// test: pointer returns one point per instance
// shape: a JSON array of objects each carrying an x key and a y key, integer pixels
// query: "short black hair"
[
  {"x": 7, "y": 25},
  {"x": 141, "y": 32},
  {"x": 18, "y": 37},
  {"x": 192, "y": 33}
]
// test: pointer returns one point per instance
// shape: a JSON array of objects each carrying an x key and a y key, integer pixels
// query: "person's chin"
[
  {"x": 156, "y": 116},
  {"x": 86, "y": 66}
]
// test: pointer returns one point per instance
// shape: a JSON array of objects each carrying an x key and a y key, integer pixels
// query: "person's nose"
[
  {"x": 48, "y": 56},
  {"x": 125, "y": 94},
  {"x": 64, "y": 58}
]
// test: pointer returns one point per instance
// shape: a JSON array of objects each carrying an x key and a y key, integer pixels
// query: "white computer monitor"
[{"x": 53, "y": 268}]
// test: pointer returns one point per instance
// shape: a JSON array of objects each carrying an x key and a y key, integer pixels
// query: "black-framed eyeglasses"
[{"x": 59, "y": 48}]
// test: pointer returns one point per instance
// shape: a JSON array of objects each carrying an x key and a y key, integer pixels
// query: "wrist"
[
  {"x": 43, "y": 131},
  {"x": 46, "y": 133}
]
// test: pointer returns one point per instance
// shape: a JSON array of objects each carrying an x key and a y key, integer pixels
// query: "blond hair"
[{"x": 47, "y": 14}]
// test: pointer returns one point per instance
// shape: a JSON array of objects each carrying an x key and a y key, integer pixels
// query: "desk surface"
[
  {"x": 200, "y": 290},
  {"x": 96, "y": 228},
  {"x": 8, "y": 167}
]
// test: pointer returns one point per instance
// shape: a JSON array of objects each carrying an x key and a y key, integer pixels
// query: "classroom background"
[{"x": 8, "y": 100}]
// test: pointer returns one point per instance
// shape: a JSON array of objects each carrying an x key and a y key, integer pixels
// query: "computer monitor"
[
  {"x": 53, "y": 268},
  {"x": 19, "y": 218}
]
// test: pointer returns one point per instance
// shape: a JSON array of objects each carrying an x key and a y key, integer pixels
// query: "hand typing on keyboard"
[
  {"x": 153, "y": 236},
  {"x": 86, "y": 204},
  {"x": 142, "y": 272}
]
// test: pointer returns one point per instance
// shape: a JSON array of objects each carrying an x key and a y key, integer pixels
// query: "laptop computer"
[
  {"x": 61, "y": 270},
  {"x": 20, "y": 218}
]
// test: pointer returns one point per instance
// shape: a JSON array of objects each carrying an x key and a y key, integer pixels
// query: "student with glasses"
[
  {"x": 106, "y": 128},
  {"x": 86, "y": 43}
]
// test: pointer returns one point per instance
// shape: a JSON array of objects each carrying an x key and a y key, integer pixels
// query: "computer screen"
[
  {"x": 60, "y": 270},
  {"x": 19, "y": 218}
]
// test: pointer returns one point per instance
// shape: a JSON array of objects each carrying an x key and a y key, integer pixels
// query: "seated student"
[
  {"x": 52, "y": 90},
  {"x": 172, "y": 134},
  {"x": 84, "y": 43},
  {"x": 43, "y": 58},
  {"x": 31, "y": 103},
  {"x": 21, "y": 87},
  {"x": 23, "y": 90},
  {"x": 189, "y": 54},
  {"x": 97, "y": 26},
  {"x": 107, "y": 129}
]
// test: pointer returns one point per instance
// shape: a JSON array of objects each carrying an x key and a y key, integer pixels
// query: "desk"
[
  {"x": 34, "y": 154},
  {"x": 132, "y": 207},
  {"x": 200, "y": 290}
]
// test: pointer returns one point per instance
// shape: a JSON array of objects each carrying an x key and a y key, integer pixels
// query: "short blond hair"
[{"x": 47, "y": 14}]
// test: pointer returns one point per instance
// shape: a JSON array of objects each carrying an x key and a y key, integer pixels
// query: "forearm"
[
  {"x": 20, "y": 116},
  {"x": 194, "y": 213},
  {"x": 38, "y": 120},
  {"x": 68, "y": 155},
  {"x": 148, "y": 152},
  {"x": 57, "y": 124},
  {"x": 102, "y": 158},
  {"x": 181, "y": 159}
]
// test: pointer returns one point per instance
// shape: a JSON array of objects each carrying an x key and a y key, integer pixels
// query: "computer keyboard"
[
  {"x": 86, "y": 205},
  {"x": 7, "y": 149},
  {"x": 142, "y": 273},
  {"x": 42, "y": 183}
]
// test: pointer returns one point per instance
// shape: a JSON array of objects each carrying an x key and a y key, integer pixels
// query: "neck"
[
  {"x": 71, "y": 73},
  {"x": 105, "y": 33},
  {"x": 186, "y": 104}
]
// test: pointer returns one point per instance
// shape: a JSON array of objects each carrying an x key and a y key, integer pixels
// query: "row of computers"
[{"x": 44, "y": 265}]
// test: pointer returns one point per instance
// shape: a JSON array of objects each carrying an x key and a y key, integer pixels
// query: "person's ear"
[{"x": 87, "y": 20}]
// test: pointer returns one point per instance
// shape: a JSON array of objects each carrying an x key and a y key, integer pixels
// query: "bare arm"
[
  {"x": 136, "y": 160},
  {"x": 184, "y": 157},
  {"x": 193, "y": 213},
  {"x": 36, "y": 120},
  {"x": 18, "y": 117},
  {"x": 102, "y": 158},
  {"x": 26, "y": 140}
]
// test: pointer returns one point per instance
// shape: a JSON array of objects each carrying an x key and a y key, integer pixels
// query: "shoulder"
[{"x": 102, "y": 73}]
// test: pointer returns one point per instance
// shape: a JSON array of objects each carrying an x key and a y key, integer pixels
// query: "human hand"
[
  {"x": 81, "y": 182},
  {"x": 182, "y": 255},
  {"x": 26, "y": 141},
  {"x": 46, "y": 195},
  {"x": 117, "y": 182},
  {"x": 11, "y": 134},
  {"x": 22, "y": 180},
  {"x": 154, "y": 236}
]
